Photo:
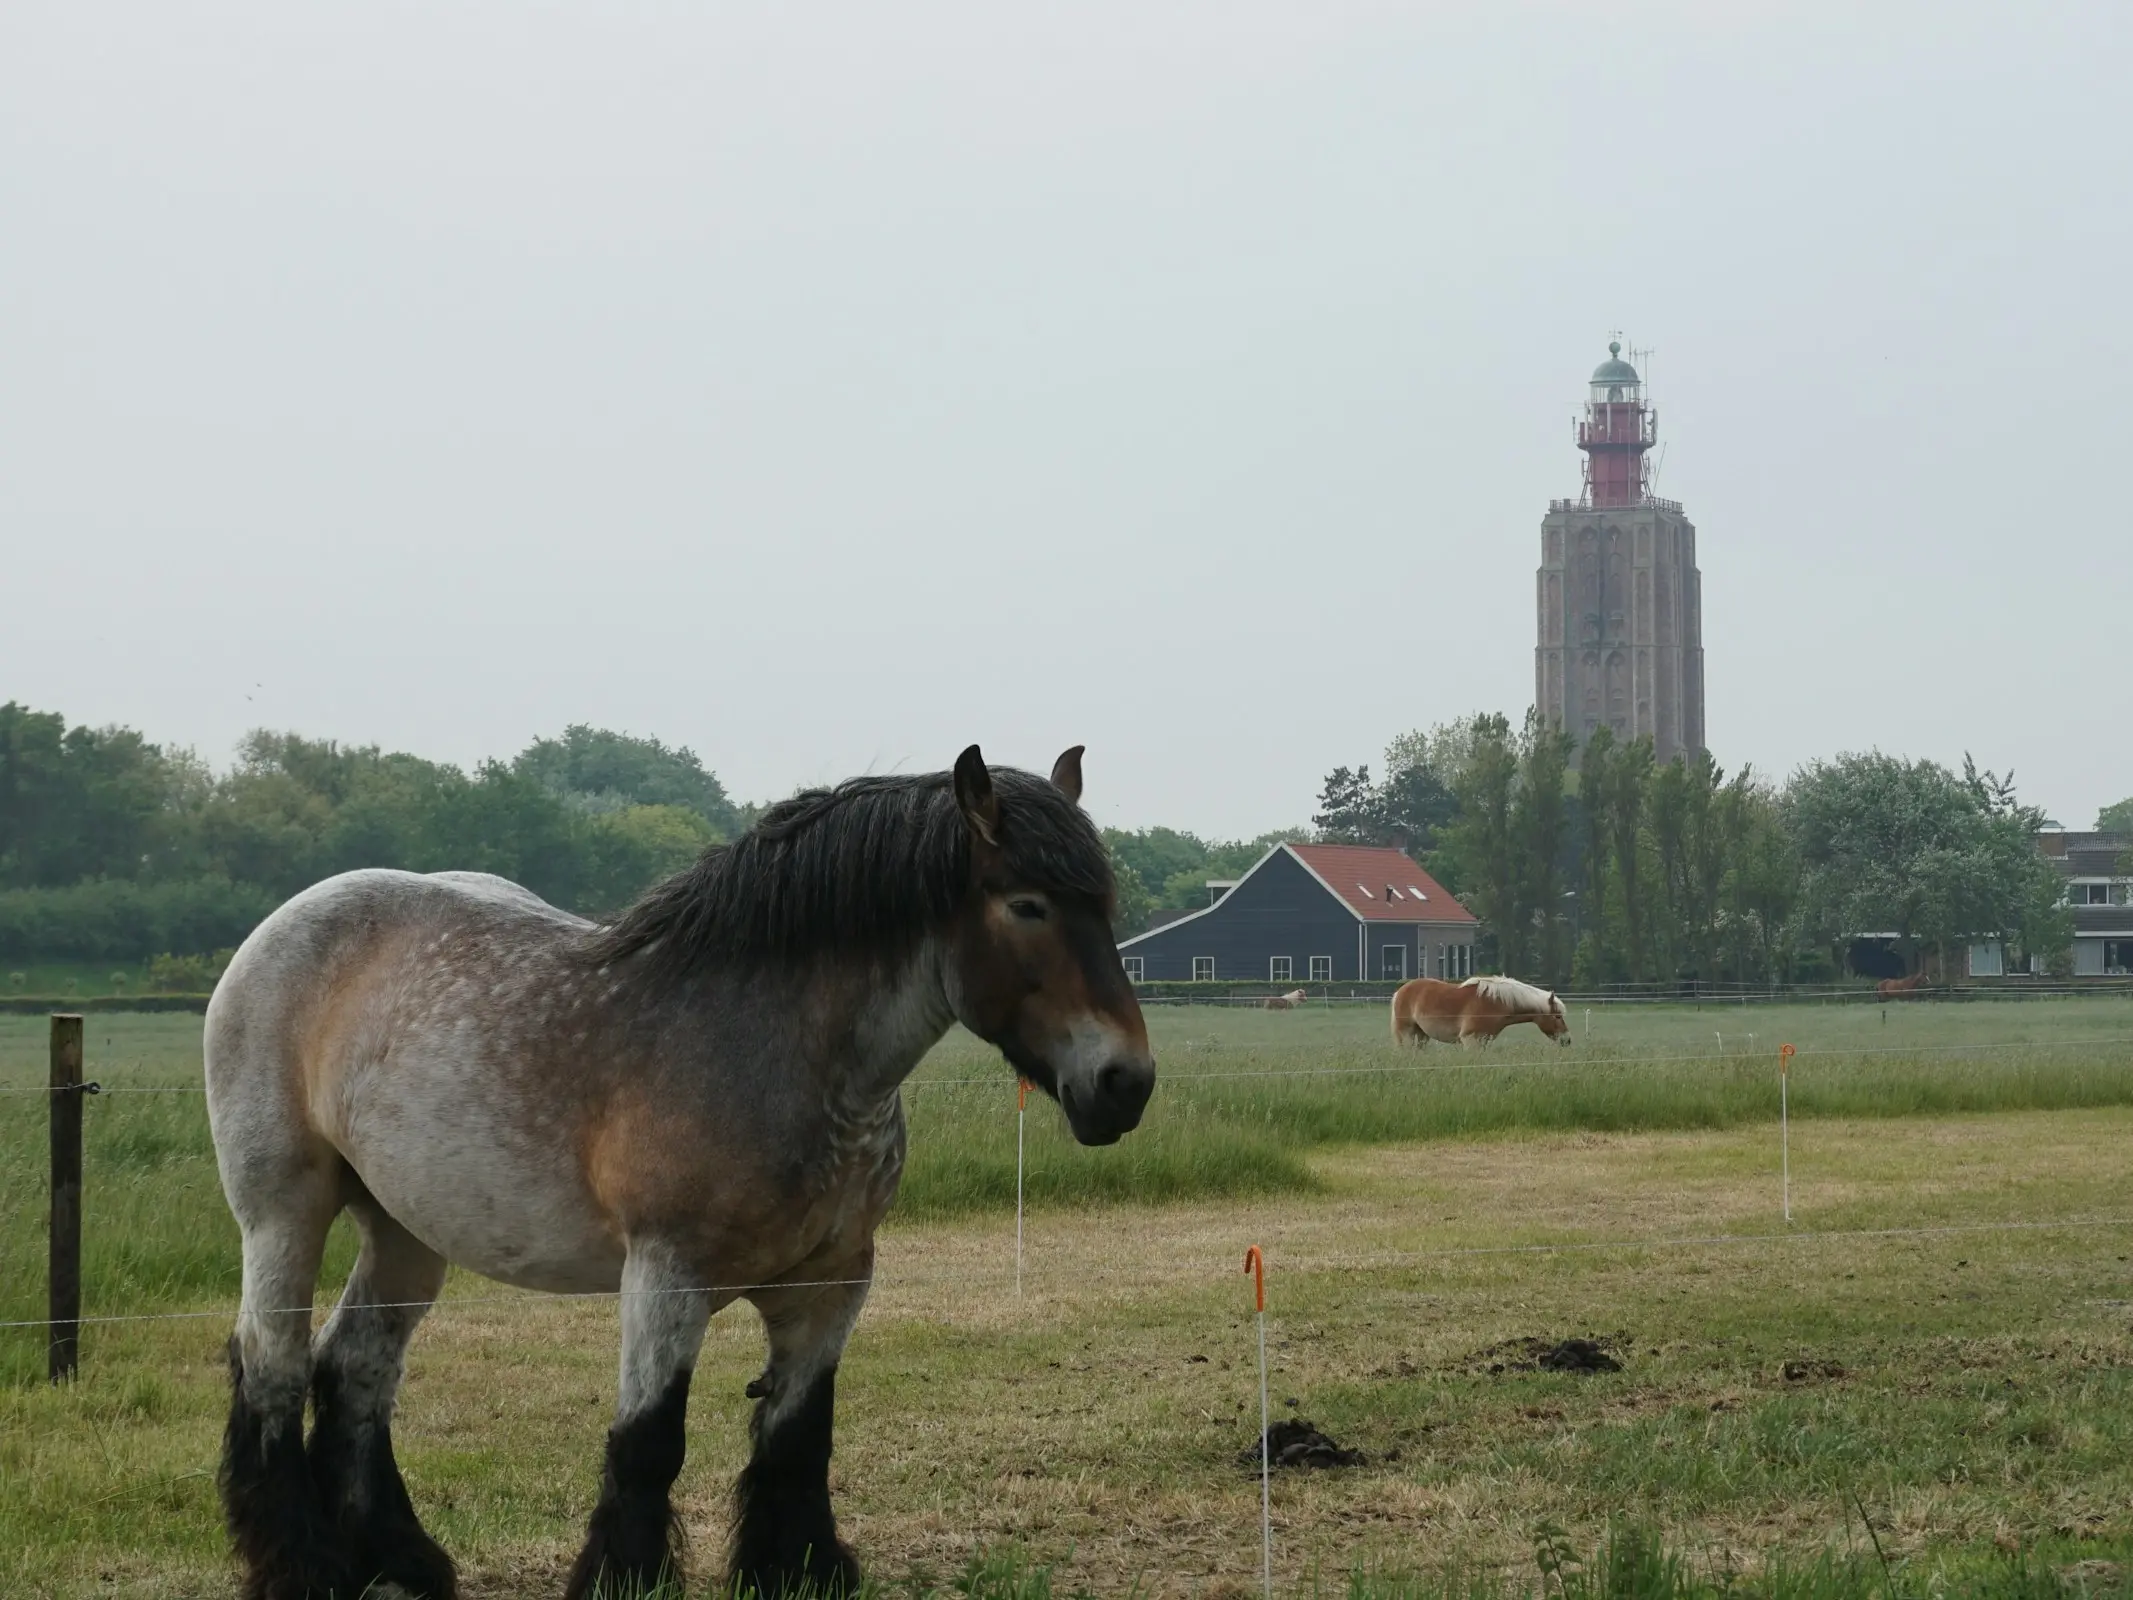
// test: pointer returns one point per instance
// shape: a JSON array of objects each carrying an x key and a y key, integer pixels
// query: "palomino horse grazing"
[
  {"x": 695, "y": 1105},
  {"x": 1473, "y": 1012},
  {"x": 1900, "y": 988},
  {"x": 1285, "y": 1002}
]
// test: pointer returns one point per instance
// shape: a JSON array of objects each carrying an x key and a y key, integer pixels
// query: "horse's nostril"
[{"x": 1122, "y": 1084}]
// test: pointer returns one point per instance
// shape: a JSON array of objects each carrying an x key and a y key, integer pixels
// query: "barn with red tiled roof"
[{"x": 1320, "y": 913}]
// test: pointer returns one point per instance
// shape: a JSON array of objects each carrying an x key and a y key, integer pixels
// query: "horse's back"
[
  {"x": 317, "y": 934},
  {"x": 312, "y": 976}
]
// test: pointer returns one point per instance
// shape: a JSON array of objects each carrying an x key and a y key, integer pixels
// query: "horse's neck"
[{"x": 897, "y": 1022}]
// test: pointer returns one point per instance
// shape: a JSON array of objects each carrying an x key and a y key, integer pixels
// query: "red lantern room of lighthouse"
[{"x": 1616, "y": 431}]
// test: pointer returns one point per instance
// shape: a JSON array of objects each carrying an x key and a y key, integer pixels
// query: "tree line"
[
  {"x": 116, "y": 848},
  {"x": 1612, "y": 869},
  {"x": 1624, "y": 870}
]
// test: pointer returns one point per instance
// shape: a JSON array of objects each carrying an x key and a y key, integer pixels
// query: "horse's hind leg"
[
  {"x": 355, "y": 1374},
  {"x": 288, "y": 1547},
  {"x": 633, "y": 1544},
  {"x": 784, "y": 1532}
]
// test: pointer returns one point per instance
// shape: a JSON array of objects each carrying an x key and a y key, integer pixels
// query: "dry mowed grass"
[{"x": 1970, "y": 1389}]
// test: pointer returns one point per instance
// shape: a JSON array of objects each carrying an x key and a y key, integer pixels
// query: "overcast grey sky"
[{"x": 825, "y": 387}]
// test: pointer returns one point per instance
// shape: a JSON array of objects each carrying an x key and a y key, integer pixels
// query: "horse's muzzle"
[{"x": 1105, "y": 1109}]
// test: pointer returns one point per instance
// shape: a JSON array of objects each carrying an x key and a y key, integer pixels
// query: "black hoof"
[
  {"x": 634, "y": 1543},
  {"x": 816, "y": 1574},
  {"x": 409, "y": 1558},
  {"x": 630, "y": 1551},
  {"x": 287, "y": 1546},
  {"x": 784, "y": 1533},
  {"x": 357, "y": 1479}
]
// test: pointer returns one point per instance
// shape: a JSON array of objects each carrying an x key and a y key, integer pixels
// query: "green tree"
[
  {"x": 1483, "y": 843},
  {"x": 1909, "y": 848},
  {"x": 75, "y": 802},
  {"x": 1132, "y": 903},
  {"x": 1347, "y": 807},
  {"x": 505, "y": 822},
  {"x": 629, "y": 850},
  {"x": 1411, "y": 808},
  {"x": 2116, "y": 818},
  {"x": 1539, "y": 829},
  {"x": 1629, "y": 777},
  {"x": 1689, "y": 824},
  {"x": 1762, "y": 884},
  {"x": 596, "y": 769},
  {"x": 1595, "y": 818}
]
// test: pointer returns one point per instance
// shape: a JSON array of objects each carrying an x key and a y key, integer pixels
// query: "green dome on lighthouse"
[{"x": 1614, "y": 370}]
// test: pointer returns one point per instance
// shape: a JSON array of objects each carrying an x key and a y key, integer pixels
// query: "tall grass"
[
  {"x": 1244, "y": 1098},
  {"x": 1632, "y": 1562}
]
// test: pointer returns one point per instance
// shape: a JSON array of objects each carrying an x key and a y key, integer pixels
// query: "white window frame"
[
  {"x": 1321, "y": 969},
  {"x": 1134, "y": 968},
  {"x": 1203, "y": 962},
  {"x": 1280, "y": 969}
]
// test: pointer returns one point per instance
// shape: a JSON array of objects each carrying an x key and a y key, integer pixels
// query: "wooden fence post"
[{"x": 64, "y": 1333}]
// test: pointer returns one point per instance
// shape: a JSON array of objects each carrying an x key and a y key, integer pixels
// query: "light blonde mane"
[{"x": 1511, "y": 992}]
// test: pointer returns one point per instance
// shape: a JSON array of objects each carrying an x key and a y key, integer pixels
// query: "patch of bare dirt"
[
  {"x": 1809, "y": 1371},
  {"x": 1296, "y": 1442},
  {"x": 1547, "y": 1355}
]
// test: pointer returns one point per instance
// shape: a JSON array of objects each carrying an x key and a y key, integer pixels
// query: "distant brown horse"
[
  {"x": 1901, "y": 988},
  {"x": 1473, "y": 1012},
  {"x": 1284, "y": 1002}
]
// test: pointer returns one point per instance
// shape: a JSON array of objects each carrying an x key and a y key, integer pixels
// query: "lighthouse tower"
[{"x": 1621, "y": 601}]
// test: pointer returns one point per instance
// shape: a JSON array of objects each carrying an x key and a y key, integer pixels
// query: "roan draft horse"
[
  {"x": 1473, "y": 1012},
  {"x": 696, "y": 1104}
]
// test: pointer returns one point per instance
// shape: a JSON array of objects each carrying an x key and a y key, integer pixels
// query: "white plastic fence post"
[
  {"x": 1785, "y": 1124},
  {"x": 1255, "y": 1264},
  {"x": 1021, "y": 1114}
]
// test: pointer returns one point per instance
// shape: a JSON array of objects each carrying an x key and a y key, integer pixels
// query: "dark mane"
[{"x": 869, "y": 867}]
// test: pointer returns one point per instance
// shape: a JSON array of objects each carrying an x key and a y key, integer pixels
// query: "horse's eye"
[{"x": 1027, "y": 910}]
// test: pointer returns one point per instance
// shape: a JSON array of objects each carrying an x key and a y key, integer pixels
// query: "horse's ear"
[
  {"x": 974, "y": 797},
  {"x": 1066, "y": 772}
]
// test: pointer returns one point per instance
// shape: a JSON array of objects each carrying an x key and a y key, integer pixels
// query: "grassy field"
[{"x": 1952, "y": 1396}]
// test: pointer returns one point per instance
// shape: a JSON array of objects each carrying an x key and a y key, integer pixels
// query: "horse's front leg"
[
  {"x": 632, "y": 1544},
  {"x": 784, "y": 1533}
]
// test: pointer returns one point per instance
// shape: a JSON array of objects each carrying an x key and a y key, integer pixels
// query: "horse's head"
[
  {"x": 1034, "y": 968},
  {"x": 1555, "y": 1021}
]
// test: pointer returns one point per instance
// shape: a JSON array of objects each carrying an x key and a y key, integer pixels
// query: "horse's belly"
[
  {"x": 490, "y": 1204},
  {"x": 1445, "y": 1030}
]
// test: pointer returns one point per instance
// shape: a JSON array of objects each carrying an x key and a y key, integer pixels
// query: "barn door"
[{"x": 1395, "y": 959}]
